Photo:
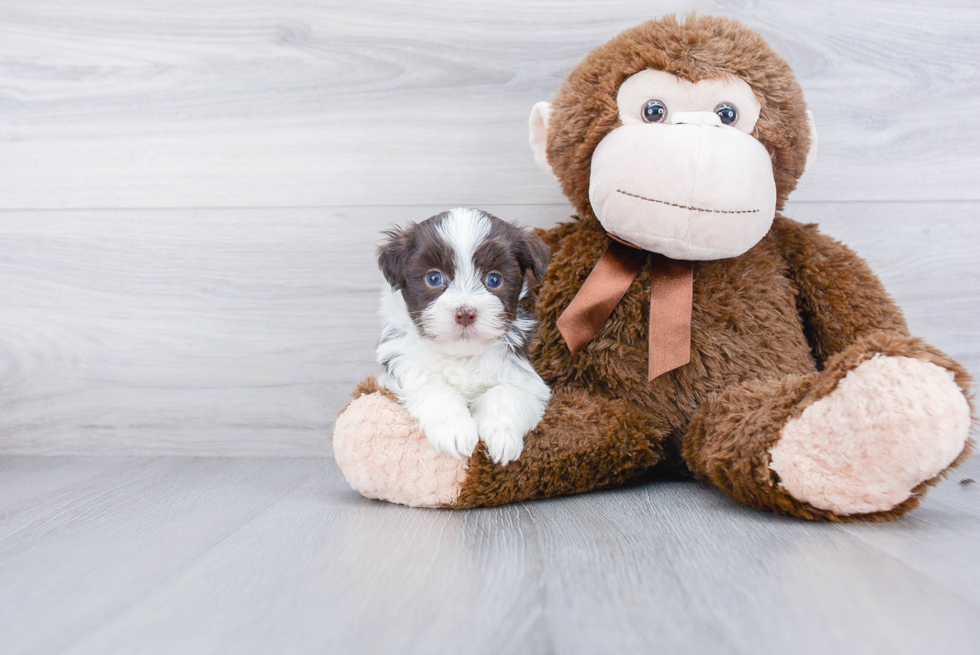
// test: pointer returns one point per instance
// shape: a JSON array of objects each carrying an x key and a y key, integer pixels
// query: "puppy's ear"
[
  {"x": 393, "y": 255},
  {"x": 533, "y": 255}
]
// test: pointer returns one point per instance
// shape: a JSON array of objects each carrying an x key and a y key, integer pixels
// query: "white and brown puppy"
[{"x": 457, "y": 318}]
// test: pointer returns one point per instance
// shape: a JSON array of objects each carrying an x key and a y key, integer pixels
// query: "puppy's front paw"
[
  {"x": 454, "y": 434},
  {"x": 504, "y": 440}
]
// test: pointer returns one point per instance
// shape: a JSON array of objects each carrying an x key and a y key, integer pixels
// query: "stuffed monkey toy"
[{"x": 687, "y": 328}]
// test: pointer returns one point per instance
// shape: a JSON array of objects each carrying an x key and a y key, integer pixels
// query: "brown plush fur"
[
  {"x": 582, "y": 444},
  {"x": 772, "y": 332}
]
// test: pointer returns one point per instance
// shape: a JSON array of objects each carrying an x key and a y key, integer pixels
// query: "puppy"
[{"x": 458, "y": 313}]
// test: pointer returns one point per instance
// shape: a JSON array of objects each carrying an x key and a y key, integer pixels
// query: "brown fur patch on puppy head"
[
  {"x": 696, "y": 48},
  {"x": 466, "y": 276}
]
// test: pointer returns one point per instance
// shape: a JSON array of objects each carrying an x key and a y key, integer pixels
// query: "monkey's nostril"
[{"x": 465, "y": 316}]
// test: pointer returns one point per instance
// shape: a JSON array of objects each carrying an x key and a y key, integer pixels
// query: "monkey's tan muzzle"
[{"x": 693, "y": 190}]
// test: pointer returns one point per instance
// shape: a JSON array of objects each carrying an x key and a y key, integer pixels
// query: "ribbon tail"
[{"x": 671, "y": 300}]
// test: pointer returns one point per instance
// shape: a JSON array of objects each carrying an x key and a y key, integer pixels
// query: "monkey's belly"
[{"x": 745, "y": 325}]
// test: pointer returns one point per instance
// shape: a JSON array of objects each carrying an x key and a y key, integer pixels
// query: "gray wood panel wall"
[{"x": 191, "y": 192}]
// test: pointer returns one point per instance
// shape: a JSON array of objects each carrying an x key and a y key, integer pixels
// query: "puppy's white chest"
[{"x": 464, "y": 376}]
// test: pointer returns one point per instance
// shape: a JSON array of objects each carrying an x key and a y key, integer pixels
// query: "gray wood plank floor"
[{"x": 251, "y": 555}]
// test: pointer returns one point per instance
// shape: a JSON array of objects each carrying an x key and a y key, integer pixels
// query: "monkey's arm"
[
  {"x": 840, "y": 299},
  {"x": 583, "y": 443}
]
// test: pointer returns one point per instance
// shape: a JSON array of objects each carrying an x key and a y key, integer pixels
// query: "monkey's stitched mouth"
[{"x": 697, "y": 209}]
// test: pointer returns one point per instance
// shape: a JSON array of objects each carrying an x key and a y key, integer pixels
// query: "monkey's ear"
[
  {"x": 538, "y": 138},
  {"x": 533, "y": 255},
  {"x": 393, "y": 255},
  {"x": 812, "y": 153}
]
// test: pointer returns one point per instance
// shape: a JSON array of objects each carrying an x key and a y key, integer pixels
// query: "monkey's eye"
[
  {"x": 727, "y": 112},
  {"x": 654, "y": 111},
  {"x": 493, "y": 280},
  {"x": 433, "y": 278}
]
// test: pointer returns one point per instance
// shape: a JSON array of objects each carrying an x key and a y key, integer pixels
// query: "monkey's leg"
[
  {"x": 860, "y": 440},
  {"x": 582, "y": 443}
]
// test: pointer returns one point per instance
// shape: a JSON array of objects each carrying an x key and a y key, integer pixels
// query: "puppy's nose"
[{"x": 465, "y": 316}]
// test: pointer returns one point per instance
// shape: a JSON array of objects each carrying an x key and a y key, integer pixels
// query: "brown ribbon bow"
[{"x": 671, "y": 297}]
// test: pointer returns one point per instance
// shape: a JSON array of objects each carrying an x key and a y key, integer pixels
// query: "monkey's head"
[{"x": 682, "y": 137}]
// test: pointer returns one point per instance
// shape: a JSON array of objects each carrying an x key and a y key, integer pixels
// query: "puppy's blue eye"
[
  {"x": 493, "y": 280},
  {"x": 433, "y": 278}
]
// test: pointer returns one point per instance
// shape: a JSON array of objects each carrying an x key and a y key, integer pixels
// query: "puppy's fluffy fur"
[{"x": 458, "y": 313}]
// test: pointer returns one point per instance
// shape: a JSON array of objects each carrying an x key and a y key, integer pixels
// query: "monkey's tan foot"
[
  {"x": 890, "y": 424},
  {"x": 860, "y": 440},
  {"x": 383, "y": 455}
]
